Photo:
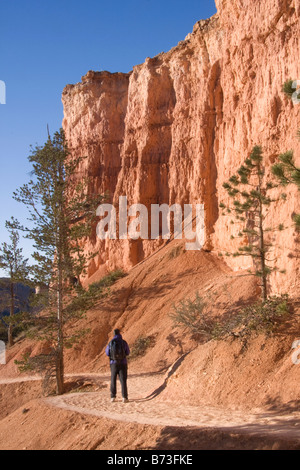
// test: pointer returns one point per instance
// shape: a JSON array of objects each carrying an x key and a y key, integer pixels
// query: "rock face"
[{"x": 179, "y": 125}]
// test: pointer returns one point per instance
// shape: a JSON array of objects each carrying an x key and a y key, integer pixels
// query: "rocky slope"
[
  {"x": 173, "y": 130},
  {"x": 238, "y": 394},
  {"x": 180, "y": 124}
]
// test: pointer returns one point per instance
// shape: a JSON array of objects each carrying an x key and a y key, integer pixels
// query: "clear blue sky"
[{"x": 45, "y": 45}]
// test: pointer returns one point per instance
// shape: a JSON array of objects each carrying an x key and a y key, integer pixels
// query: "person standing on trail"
[{"x": 118, "y": 350}]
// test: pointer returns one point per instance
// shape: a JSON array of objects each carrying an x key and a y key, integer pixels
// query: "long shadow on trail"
[{"x": 162, "y": 387}]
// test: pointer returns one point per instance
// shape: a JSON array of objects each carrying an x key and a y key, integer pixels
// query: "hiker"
[{"x": 118, "y": 350}]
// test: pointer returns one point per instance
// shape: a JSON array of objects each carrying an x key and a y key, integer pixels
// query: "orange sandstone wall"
[{"x": 177, "y": 127}]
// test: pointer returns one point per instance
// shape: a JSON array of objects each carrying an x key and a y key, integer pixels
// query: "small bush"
[
  {"x": 191, "y": 315},
  {"x": 106, "y": 281},
  {"x": 141, "y": 345},
  {"x": 175, "y": 252},
  {"x": 260, "y": 317},
  {"x": 288, "y": 88}
]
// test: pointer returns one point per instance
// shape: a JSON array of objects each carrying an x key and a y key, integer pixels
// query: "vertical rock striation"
[{"x": 177, "y": 127}]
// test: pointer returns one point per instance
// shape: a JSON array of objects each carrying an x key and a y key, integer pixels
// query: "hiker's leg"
[
  {"x": 123, "y": 379},
  {"x": 113, "y": 386}
]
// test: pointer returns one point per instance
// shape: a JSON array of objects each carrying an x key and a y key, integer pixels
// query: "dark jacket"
[{"x": 126, "y": 349}]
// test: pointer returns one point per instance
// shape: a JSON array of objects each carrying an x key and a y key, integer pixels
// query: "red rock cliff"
[{"x": 179, "y": 125}]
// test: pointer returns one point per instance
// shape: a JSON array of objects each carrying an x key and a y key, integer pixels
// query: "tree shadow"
[
  {"x": 275, "y": 428},
  {"x": 277, "y": 407},
  {"x": 188, "y": 438}
]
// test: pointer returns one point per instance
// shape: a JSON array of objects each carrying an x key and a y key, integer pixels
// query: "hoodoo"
[{"x": 174, "y": 129}]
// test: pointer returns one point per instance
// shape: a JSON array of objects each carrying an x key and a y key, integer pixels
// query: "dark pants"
[{"x": 121, "y": 371}]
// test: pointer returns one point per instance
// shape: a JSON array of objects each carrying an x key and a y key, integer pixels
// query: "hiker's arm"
[
  {"x": 107, "y": 351},
  {"x": 127, "y": 350}
]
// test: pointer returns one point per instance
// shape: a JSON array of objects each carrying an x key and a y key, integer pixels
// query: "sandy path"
[
  {"x": 20, "y": 380},
  {"x": 144, "y": 407}
]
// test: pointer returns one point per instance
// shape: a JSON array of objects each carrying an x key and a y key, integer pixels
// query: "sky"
[{"x": 45, "y": 45}]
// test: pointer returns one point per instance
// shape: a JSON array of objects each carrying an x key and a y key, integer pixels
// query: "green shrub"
[
  {"x": 288, "y": 88},
  {"x": 259, "y": 317},
  {"x": 175, "y": 252},
  {"x": 106, "y": 281},
  {"x": 192, "y": 315},
  {"x": 140, "y": 346}
]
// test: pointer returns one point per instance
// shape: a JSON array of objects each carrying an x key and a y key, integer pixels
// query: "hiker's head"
[{"x": 117, "y": 332}]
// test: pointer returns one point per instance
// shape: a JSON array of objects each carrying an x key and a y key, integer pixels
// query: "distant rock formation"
[{"x": 22, "y": 294}]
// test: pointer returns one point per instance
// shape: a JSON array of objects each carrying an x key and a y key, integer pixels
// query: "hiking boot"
[
  {"x": 125, "y": 400},
  {"x": 113, "y": 400}
]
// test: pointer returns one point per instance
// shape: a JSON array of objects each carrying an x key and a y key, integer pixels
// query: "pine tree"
[
  {"x": 286, "y": 169},
  {"x": 288, "y": 173},
  {"x": 17, "y": 269},
  {"x": 61, "y": 215},
  {"x": 249, "y": 193}
]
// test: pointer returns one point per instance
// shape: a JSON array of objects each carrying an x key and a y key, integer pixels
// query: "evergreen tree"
[
  {"x": 16, "y": 267},
  {"x": 286, "y": 169},
  {"x": 249, "y": 193},
  {"x": 61, "y": 214},
  {"x": 288, "y": 173}
]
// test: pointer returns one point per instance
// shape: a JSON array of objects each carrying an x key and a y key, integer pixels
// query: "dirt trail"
[
  {"x": 145, "y": 407},
  {"x": 88, "y": 420}
]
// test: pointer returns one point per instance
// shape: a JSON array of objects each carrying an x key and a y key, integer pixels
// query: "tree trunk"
[
  {"x": 263, "y": 265},
  {"x": 60, "y": 339},
  {"x": 12, "y": 312},
  {"x": 264, "y": 292}
]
